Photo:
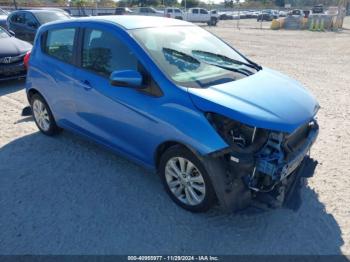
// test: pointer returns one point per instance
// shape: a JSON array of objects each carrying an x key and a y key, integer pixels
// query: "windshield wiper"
[
  {"x": 241, "y": 71},
  {"x": 207, "y": 55},
  {"x": 184, "y": 61},
  {"x": 181, "y": 60}
]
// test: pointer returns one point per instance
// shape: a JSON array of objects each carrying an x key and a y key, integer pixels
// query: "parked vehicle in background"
[
  {"x": 174, "y": 13},
  {"x": 307, "y": 13},
  {"x": 252, "y": 14},
  {"x": 201, "y": 15},
  {"x": 123, "y": 11},
  {"x": 267, "y": 15},
  {"x": 297, "y": 12},
  {"x": 148, "y": 11},
  {"x": 175, "y": 98},
  {"x": 3, "y": 18},
  {"x": 26, "y": 22},
  {"x": 282, "y": 13},
  {"x": 12, "y": 54},
  {"x": 318, "y": 9},
  {"x": 225, "y": 16},
  {"x": 214, "y": 13}
]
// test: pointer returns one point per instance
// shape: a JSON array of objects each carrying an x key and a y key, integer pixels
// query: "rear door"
[
  {"x": 204, "y": 15},
  {"x": 57, "y": 70},
  {"x": 196, "y": 17}
]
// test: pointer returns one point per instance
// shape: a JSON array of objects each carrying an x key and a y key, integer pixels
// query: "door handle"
[{"x": 86, "y": 84}]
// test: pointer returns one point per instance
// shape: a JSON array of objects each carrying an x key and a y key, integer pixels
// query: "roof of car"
[
  {"x": 35, "y": 11},
  {"x": 135, "y": 21}
]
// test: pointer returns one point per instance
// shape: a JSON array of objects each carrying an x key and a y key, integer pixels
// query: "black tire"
[
  {"x": 53, "y": 129},
  {"x": 209, "y": 196},
  {"x": 212, "y": 22}
]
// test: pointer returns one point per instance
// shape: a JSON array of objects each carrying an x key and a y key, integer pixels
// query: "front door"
[{"x": 111, "y": 114}]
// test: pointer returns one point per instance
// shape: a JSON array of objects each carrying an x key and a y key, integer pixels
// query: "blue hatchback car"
[{"x": 171, "y": 96}]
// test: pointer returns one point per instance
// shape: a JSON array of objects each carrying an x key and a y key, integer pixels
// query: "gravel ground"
[{"x": 65, "y": 195}]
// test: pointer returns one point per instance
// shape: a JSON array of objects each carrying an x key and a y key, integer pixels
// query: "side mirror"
[{"x": 127, "y": 78}]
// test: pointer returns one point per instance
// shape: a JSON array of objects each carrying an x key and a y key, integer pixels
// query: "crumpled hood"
[
  {"x": 12, "y": 46},
  {"x": 267, "y": 99}
]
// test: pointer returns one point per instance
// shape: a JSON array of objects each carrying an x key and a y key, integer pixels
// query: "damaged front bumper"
[{"x": 241, "y": 178}]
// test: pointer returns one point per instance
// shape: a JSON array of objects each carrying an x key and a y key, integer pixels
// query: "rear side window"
[
  {"x": 59, "y": 44},
  {"x": 103, "y": 53},
  {"x": 195, "y": 11}
]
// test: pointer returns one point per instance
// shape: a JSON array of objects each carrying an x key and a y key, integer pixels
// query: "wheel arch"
[
  {"x": 32, "y": 92},
  {"x": 165, "y": 146}
]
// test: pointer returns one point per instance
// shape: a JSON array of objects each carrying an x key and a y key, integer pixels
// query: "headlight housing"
[{"x": 242, "y": 138}]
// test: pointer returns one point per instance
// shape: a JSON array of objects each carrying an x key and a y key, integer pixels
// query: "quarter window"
[
  {"x": 59, "y": 44},
  {"x": 103, "y": 53}
]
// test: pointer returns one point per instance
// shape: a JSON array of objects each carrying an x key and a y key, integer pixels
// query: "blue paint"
[{"x": 135, "y": 124}]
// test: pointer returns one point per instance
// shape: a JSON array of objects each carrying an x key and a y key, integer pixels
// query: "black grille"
[{"x": 11, "y": 59}]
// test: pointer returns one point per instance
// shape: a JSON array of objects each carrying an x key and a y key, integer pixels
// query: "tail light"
[{"x": 26, "y": 59}]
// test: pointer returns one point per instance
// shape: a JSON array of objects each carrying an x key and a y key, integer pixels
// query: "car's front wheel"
[
  {"x": 43, "y": 116},
  {"x": 186, "y": 180}
]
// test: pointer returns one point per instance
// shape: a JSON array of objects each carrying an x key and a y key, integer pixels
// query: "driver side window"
[
  {"x": 30, "y": 21},
  {"x": 103, "y": 53}
]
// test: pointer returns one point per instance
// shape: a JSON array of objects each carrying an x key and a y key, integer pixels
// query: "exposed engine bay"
[{"x": 264, "y": 162}]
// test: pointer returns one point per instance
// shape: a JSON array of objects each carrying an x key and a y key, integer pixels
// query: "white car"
[
  {"x": 149, "y": 11},
  {"x": 201, "y": 15},
  {"x": 174, "y": 13}
]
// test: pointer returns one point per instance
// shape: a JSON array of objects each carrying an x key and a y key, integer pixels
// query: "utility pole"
[
  {"x": 239, "y": 14},
  {"x": 15, "y": 4}
]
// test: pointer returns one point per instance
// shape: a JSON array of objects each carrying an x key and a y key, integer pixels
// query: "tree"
[
  {"x": 190, "y": 3},
  {"x": 280, "y": 3},
  {"x": 228, "y": 3},
  {"x": 170, "y": 2},
  {"x": 107, "y": 3}
]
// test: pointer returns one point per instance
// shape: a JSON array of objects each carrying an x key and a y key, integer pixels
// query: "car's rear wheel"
[
  {"x": 186, "y": 180},
  {"x": 43, "y": 116}
]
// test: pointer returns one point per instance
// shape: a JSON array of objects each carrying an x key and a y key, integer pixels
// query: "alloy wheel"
[
  {"x": 185, "y": 181},
  {"x": 41, "y": 115}
]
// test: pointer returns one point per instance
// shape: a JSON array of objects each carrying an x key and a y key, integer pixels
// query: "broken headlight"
[{"x": 241, "y": 138}]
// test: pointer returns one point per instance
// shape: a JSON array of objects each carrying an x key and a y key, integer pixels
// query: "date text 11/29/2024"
[{"x": 173, "y": 258}]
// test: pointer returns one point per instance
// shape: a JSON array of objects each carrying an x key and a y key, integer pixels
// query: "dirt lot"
[{"x": 65, "y": 195}]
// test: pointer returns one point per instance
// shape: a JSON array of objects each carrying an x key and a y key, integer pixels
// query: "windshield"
[
  {"x": 46, "y": 17},
  {"x": 3, "y": 33},
  {"x": 192, "y": 57}
]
